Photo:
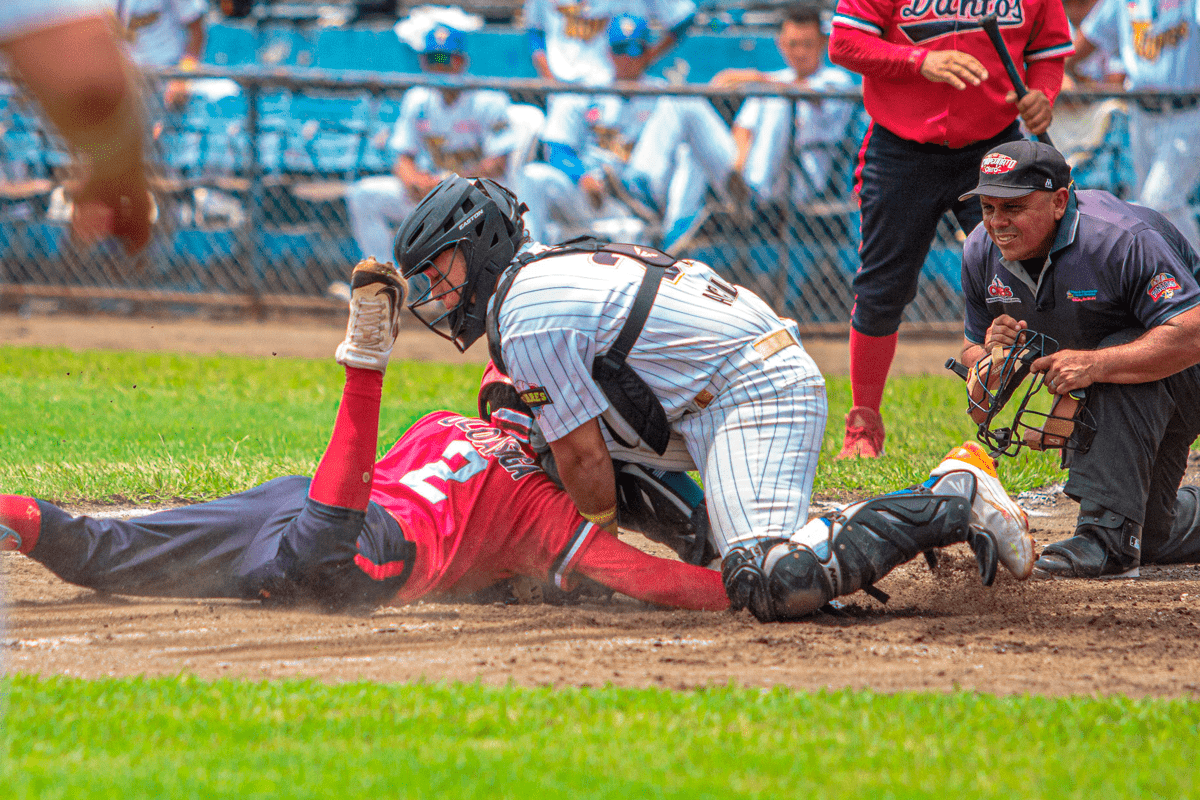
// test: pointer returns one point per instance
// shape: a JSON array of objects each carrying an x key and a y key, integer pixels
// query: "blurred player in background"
[
  {"x": 569, "y": 41},
  {"x": 439, "y": 131},
  {"x": 939, "y": 99},
  {"x": 455, "y": 506},
  {"x": 66, "y": 53},
  {"x": 1159, "y": 45},
  {"x": 164, "y": 34},
  {"x": 750, "y": 157},
  {"x": 586, "y": 134}
]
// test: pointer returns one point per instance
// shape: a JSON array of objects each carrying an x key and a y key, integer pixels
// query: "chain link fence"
[{"x": 253, "y": 172}]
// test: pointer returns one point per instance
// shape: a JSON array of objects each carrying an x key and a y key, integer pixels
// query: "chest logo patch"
[
  {"x": 536, "y": 396},
  {"x": 999, "y": 293},
  {"x": 1081, "y": 295},
  {"x": 997, "y": 164},
  {"x": 1162, "y": 285}
]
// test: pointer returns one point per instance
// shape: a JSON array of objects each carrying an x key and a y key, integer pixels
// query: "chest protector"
[{"x": 627, "y": 393}]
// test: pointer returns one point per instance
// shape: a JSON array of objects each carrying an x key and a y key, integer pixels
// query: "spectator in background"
[
  {"x": 163, "y": 34},
  {"x": 584, "y": 136},
  {"x": 1159, "y": 45},
  {"x": 92, "y": 99},
  {"x": 1080, "y": 127},
  {"x": 438, "y": 132},
  {"x": 569, "y": 41},
  {"x": 749, "y": 158}
]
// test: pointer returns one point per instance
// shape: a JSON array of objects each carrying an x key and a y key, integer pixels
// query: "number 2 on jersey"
[{"x": 421, "y": 480}]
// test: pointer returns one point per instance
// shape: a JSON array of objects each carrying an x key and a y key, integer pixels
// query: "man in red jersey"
[
  {"x": 455, "y": 506},
  {"x": 939, "y": 100}
]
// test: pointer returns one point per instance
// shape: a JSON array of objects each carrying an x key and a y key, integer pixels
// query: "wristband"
[{"x": 602, "y": 518}]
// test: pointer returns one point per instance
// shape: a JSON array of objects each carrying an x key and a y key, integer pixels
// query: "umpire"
[{"x": 1115, "y": 284}]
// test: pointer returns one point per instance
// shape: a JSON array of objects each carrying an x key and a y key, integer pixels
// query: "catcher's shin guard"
[{"x": 781, "y": 579}]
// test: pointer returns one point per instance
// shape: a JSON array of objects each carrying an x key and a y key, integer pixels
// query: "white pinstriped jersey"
[
  {"x": 756, "y": 436},
  {"x": 452, "y": 137},
  {"x": 563, "y": 311}
]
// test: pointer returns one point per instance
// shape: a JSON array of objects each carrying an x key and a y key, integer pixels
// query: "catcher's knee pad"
[
  {"x": 745, "y": 581},
  {"x": 777, "y": 580}
]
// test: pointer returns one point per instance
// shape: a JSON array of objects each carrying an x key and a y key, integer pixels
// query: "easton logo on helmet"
[{"x": 997, "y": 164}]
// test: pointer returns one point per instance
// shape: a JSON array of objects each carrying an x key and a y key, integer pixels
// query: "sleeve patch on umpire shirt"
[
  {"x": 1162, "y": 285},
  {"x": 536, "y": 396}
]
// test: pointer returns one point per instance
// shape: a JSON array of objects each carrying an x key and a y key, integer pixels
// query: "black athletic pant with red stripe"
[{"x": 905, "y": 188}]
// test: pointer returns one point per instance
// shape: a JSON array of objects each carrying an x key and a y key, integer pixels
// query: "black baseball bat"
[{"x": 991, "y": 26}]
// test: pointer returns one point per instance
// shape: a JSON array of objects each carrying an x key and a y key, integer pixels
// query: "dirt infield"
[{"x": 940, "y": 630}]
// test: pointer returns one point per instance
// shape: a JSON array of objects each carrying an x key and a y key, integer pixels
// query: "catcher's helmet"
[
  {"x": 482, "y": 221},
  {"x": 997, "y": 378}
]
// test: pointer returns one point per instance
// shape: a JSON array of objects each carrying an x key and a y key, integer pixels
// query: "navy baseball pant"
[
  {"x": 905, "y": 189},
  {"x": 271, "y": 540}
]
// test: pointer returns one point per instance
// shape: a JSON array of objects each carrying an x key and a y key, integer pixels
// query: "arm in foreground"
[
  {"x": 630, "y": 571},
  {"x": 1158, "y": 353},
  {"x": 93, "y": 101}
]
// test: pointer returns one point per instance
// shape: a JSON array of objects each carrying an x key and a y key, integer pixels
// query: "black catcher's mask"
[
  {"x": 481, "y": 221},
  {"x": 997, "y": 378}
]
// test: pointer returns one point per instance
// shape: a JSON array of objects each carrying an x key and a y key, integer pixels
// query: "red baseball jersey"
[
  {"x": 479, "y": 509},
  {"x": 900, "y": 99}
]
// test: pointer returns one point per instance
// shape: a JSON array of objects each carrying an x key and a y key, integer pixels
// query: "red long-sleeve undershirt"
[
  {"x": 865, "y": 54},
  {"x": 630, "y": 571}
]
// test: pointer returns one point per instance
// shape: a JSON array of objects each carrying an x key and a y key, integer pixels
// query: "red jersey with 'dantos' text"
[
  {"x": 919, "y": 110},
  {"x": 479, "y": 509}
]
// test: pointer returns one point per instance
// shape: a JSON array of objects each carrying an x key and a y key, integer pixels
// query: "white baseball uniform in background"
[
  {"x": 577, "y": 48},
  {"x": 601, "y": 130},
  {"x": 751, "y": 425},
  {"x": 157, "y": 29},
  {"x": 694, "y": 122},
  {"x": 1159, "y": 45},
  {"x": 442, "y": 138}
]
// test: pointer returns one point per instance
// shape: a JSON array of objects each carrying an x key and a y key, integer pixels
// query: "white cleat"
[
  {"x": 992, "y": 509},
  {"x": 377, "y": 295}
]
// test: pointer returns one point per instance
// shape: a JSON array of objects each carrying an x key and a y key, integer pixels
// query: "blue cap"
[
  {"x": 444, "y": 39},
  {"x": 628, "y": 35}
]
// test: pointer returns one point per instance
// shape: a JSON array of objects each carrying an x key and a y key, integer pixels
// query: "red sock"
[
  {"x": 346, "y": 470},
  {"x": 870, "y": 359},
  {"x": 22, "y": 515}
]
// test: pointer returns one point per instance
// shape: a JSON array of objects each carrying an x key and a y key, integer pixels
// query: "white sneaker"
[
  {"x": 376, "y": 296},
  {"x": 992, "y": 508}
]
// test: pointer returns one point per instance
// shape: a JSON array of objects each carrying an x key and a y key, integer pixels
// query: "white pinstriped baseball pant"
[{"x": 755, "y": 446}]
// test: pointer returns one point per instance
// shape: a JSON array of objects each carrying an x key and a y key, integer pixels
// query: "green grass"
[
  {"x": 148, "y": 426},
  {"x": 184, "y": 737}
]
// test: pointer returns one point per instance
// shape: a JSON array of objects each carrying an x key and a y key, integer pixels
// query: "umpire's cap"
[{"x": 1015, "y": 169}]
